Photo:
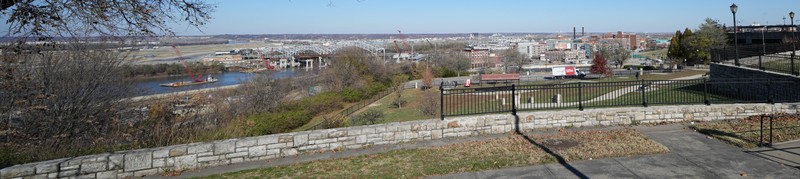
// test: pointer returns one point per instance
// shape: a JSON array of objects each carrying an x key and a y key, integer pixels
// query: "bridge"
[{"x": 320, "y": 52}]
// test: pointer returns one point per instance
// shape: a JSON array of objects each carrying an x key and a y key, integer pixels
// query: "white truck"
[{"x": 567, "y": 72}]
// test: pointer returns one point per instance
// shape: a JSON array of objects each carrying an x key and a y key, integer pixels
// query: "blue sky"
[{"x": 465, "y": 16}]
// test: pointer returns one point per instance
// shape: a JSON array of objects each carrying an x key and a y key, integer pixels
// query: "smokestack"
[
  {"x": 583, "y": 33},
  {"x": 574, "y": 34}
]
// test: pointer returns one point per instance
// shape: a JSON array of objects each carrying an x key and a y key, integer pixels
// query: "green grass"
[
  {"x": 745, "y": 132},
  {"x": 409, "y": 112},
  {"x": 512, "y": 151}
]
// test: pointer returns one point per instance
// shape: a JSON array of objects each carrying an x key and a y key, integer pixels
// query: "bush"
[
  {"x": 375, "y": 88},
  {"x": 352, "y": 95},
  {"x": 273, "y": 123},
  {"x": 430, "y": 103},
  {"x": 368, "y": 117}
]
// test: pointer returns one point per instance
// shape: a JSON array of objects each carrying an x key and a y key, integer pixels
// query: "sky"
[{"x": 482, "y": 16}]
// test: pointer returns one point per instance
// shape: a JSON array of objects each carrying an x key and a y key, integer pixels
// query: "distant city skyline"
[{"x": 474, "y": 16}]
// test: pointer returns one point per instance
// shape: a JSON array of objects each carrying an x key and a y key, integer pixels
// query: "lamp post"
[
  {"x": 735, "y": 34},
  {"x": 791, "y": 19}
]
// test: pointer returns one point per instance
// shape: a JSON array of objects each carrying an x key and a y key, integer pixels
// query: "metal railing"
[
  {"x": 582, "y": 95},
  {"x": 773, "y": 57}
]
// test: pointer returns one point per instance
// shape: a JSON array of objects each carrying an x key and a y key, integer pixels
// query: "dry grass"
[
  {"x": 745, "y": 132},
  {"x": 506, "y": 152}
]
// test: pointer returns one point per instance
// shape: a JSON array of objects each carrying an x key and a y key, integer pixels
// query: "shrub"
[
  {"x": 352, "y": 95},
  {"x": 430, "y": 103},
  {"x": 368, "y": 117},
  {"x": 273, "y": 123}
]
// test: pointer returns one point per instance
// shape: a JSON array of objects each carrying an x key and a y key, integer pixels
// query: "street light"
[
  {"x": 791, "y": 18},
  {"x": 735, "y": 34}
]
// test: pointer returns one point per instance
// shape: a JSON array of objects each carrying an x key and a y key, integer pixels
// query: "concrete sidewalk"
[
  {"x": 787, "y": 153},
  {"x": 692, "y": 155}
]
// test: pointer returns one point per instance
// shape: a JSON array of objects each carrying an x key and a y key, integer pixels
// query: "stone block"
[
  {"x": 46, "y": 167},
  {"x": 288, "y": 152},
  {"x": 207, "y": 158},
  {"x": 353, "y": 132},
  {"x": 234, "y": 155},
  {"x": 185, "y": 162},
  {"x": 497, "y": 129},
  {"x": 273, "y": 151},
  {"x": 157, "y": 163},
  {"x": 266, "y": 140},
  {"x": 116, "y": 161},
  {"x": 17, "y": 171},
  {"x": 161, "y": 153},
  {"x": 201, "y": 148},
  {"x": 368, "y": 131},
  {"x": 436, "y": 134},
  {"x": 107, "y": 174},
  {"x": 388, "y": 136},
  {"x": 249, "y": 142},
  {"x": 177, "y": 151},
  {"x": 87, "y": 176},
  {"x": 277, "y": 146},
  {"x": 285, "y": 139},
  {"x": 147, "y": 172},
  {"x": 224, "y": 147},
  {"x": 257, "y": 151},
  {"x": 91, "y": 167},
  {"x": 316, "y": 136},
  {"x": 361, "y": 139},
  {"x": 65, "y": 173},
  {"x": 138, "y": 161}
]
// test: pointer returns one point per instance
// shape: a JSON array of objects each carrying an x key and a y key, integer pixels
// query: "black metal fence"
[
  {"x": 768, "y": 57},
  {"x": 582, "y": 95}
]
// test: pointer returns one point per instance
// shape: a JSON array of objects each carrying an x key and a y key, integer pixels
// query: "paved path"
[
  {"x": 787, "y": 153},
  {"x": 692, "y": 155}
]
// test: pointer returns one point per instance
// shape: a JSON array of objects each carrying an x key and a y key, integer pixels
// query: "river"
[{"x": 153, "y": 85}]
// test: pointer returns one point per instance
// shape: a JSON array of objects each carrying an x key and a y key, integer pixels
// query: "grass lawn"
[
  {"x": 409, "y": 112},
  {"x": 745, "y": 132},
  {"x": 505, "y": 152}
]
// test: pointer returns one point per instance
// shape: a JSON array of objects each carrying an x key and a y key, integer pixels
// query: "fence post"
[
  {"x": 794, "y": 72},
  {"x": 761, "y": 132},
  {"x": 705, "y": 91},
  {"x": 441, "y": 100},
  {"x": 759, "y": 63},
  {"x": 791, "y": 60},
  {"x": 644, "y": 95},
  {"x": 580, "y": 97},
  {"x": 513, "y": 99},
  {"x": 769, "y": 91}
]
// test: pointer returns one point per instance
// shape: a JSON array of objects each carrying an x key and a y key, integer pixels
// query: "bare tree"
[
  {"x": 260, "y": 94},
  {"x": 347, "y": 69},
  {"x": 513, "y": 60},
  {"x": 104, "y": 18},
  {"x": 616, "y": 54},
  {"x": 66, "y": 95}
]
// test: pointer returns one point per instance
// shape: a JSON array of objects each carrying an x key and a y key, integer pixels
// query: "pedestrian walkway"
[
  {"x": 692, "y": 155},
  {"x": 787, "y": 153}
]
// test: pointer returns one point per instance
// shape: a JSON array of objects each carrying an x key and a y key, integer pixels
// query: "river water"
[{"x": 153, "y": 85}]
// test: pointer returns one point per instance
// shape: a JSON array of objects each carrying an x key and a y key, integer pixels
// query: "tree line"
[{"x": 694, "y": 47}]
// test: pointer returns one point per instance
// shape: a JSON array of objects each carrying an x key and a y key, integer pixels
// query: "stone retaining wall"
[{"x": 155, "y": 161}]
